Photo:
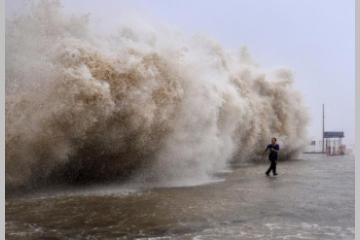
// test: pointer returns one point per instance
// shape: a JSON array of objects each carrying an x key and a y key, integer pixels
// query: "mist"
[{"x": 85, "y": 106}]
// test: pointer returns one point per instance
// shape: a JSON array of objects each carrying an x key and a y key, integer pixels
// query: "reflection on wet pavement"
[{"x": 312, "y": 198}]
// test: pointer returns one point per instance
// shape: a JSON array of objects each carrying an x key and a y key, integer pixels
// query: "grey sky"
[{"x": 315, "y": 38}]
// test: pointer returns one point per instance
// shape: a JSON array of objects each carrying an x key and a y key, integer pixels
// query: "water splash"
[{"x": 81, "y": 106}]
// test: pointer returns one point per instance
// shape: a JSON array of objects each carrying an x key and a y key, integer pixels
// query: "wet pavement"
[{"x": 311, "y": 198}]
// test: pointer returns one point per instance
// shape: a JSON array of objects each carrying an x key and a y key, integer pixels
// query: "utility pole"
[{"x": 323, "y": 128}]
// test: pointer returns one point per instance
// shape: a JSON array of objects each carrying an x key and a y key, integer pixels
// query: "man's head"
[{"x": 273, "y": 140}]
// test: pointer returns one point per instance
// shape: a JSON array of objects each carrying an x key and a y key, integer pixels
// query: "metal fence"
[{"x": 331, "y": 147}]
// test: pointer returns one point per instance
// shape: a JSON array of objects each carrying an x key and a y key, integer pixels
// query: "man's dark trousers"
[{"x": 272, "y": 167}]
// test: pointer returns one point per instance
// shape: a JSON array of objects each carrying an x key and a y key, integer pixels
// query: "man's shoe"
[
  {"x": 275, "y": 174},
  {"x": 267, "y": 174}
]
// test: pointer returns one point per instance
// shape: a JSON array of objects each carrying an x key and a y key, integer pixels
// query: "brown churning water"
[{"x": 84, "y": 106}]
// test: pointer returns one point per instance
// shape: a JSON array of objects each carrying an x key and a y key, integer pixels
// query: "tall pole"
[{"x": 323, "y": 128}]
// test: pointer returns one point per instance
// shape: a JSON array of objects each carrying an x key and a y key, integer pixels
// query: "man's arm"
[
  {"x": 276, "y": 148},
  {"x": 267, "y": 147}
]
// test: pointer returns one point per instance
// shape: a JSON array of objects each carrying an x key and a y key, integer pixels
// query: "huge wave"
[{"x": 145, "y": 100}]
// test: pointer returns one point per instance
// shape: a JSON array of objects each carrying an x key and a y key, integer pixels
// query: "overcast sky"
[{"x": 315, "y": 38}]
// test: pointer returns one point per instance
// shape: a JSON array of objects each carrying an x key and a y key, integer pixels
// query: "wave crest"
[{"x": 86, "y": 107}]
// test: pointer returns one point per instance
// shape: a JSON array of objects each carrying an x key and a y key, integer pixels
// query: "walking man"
[{"x": 273, "y": 156}]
